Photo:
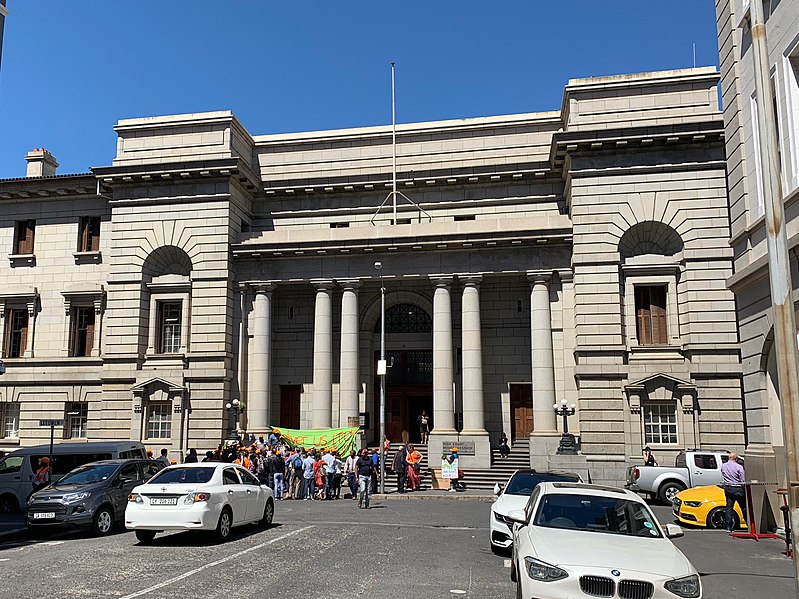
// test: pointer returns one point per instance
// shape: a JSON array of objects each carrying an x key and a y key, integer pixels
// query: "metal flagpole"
[
  {"x": 393, "y": 146},
  {"x": 779, "y": 270}
]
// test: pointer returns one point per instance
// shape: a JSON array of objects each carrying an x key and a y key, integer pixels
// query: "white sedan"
[
  {"x": 514, "y": 496},
  {"x": 574, "y": 540},
  {"x": 204, "y": 496}
]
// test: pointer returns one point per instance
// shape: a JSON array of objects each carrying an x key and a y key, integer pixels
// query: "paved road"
[{"x": 398, "y": 549}]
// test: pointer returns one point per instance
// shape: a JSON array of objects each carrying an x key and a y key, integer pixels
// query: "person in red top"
[
  {"x": 414, "y": 459},
  {"x": 42, "y": 478}
]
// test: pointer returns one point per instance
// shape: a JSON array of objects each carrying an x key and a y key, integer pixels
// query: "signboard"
[
  {"x": 51, "y": 423},
  {"x": 448, "y": 470},
  {"x": 464, "y": 447}
]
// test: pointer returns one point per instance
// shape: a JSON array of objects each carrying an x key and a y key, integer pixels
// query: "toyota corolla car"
[
  {"x": 514, "y": 496},
  {"x": 576, "y": 540},
  {"x": 202, "y": 496}
]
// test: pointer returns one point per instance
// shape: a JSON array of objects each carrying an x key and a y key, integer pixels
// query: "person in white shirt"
[
  {"x": 330, "y": 472},
  {"x": 349, "y": 473}
]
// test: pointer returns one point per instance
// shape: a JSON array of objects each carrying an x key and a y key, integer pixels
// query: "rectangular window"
[
  {"x": 650, "y": 314},
  {"x": 9, "y": 418},
  {"x": 660, "y": 423},
  {"x": 159, "y": 420},
  {"x": 77, "y": 418},
  {"x": 23, "y": 238},
  {"x": 169, "y": 327},
  {"x": 89, "y": 234},
  {"x": 16, "y": 333},
  {"x": 81, "y": 331}
]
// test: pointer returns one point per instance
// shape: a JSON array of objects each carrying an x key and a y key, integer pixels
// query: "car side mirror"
[
  {"x": 673, "y": 531},
  {"x": 125, "y": 481},
  {"x": 518, "y": 516},
  {"x": 497, "y": 489}
]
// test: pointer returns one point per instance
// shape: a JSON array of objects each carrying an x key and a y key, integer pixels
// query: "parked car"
[
  {"x": 705, "y": 506},
  {"x": 91, "y": 496},
  {"x": 575, "y": 540},
  {"x": 18, "y": 468},
  {"x": 201, "y": 496},
  {"x": 691, "y": 469},
  {"x": 514, "y": 496}
]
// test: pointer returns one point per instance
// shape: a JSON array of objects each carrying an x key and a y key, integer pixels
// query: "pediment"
[
  {"x": 661, "y": 379},
  {"x": 155, "y": 383}
]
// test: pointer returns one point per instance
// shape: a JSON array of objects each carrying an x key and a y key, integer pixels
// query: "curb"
[
  {"x": 443, "y": 497},
  {"x": 11, "y": 533}
]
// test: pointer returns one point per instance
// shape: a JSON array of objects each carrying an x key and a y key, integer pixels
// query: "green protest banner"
[{"x": 341, "y": 440}]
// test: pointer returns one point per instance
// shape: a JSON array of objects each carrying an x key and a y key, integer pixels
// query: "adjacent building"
[{"x": 578, "y": 254}]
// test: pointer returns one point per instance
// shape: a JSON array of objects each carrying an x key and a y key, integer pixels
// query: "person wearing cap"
[
  {"x": 42, "y": 478},
  {"x": 649, "y": 457}
]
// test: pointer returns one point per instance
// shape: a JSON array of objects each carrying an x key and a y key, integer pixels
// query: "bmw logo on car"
[{"x": 615, "y": 573}]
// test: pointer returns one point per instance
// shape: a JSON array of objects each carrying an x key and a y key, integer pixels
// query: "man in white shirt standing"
[
  {"x": 330, "y": 472},
  {"x": 349, "y": 473}
]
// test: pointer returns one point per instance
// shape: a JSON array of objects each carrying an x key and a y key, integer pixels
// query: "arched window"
[{"x": 406, "y": 318}]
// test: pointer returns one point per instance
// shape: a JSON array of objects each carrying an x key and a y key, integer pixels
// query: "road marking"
[
  {"x": 506, "y": 563},
  {"x": 165, "y": 583},
  {"x": 4, "y": 559},
  {"x": 53, "y": 543},
  {"x": 457, "y": 591}
]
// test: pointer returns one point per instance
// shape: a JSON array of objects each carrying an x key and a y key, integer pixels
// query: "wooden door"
[
  {"x": 521, "y": 410},
  {"x": 290, "y": 406}
]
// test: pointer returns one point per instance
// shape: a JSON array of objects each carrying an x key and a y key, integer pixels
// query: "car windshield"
[
  {"x": 182, "y": 475},
  {"x": 86, "y": 475},
  {"x": 596, "y": 513},
  {"x": 523, "y": 483}
]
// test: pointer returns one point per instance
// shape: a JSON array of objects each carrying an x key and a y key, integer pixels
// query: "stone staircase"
[
  {"x": 501, "y": 469},
  {"x": 424, "y": 472}
]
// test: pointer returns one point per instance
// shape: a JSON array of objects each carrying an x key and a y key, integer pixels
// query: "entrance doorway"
[
  {"x": 521, "y": 410},
  {"x": 409, "y": 390},
  {"x": 290, "y": 406}
]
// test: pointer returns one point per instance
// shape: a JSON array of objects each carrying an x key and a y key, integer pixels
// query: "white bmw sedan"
[
  {"x": 205, "y": 496},
  {"x": 577, "y": 540}
]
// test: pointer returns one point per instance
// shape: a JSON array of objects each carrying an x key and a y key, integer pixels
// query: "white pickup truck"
[{"x": 691, "y": 469}]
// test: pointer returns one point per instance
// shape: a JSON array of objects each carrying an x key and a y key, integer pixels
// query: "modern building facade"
[
  {"x": 579, "y": 254},
  {"x": 765, "y": 449}
]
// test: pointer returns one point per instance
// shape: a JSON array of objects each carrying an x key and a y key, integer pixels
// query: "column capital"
[
  {"x": 322, "y": 284},
  {"x": 349, "y": 284},
  {"x": 261, "y": 288},
  {"x": 539, "y": 276},
  {"x": 470, "y": 280},
  {"x": 442, "y": 280}
]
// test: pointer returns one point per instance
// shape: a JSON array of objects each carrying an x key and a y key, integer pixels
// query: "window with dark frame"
[
  {"x": 81, "y": 331},
  {"x": 89, "y": 234},
  {"x": 169, "y": 327},
  {"x": 77, "y": 420},
  {"x": 16, "y": 333},
  {"x": 650, "y": 314},
  {"x": 23, "y": 240}
]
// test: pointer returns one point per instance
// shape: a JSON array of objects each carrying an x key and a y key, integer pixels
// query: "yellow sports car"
[{"x": 704, "y": 506}]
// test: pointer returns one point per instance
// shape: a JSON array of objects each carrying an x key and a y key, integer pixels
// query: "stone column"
[
  {"x": 322, "y": 412},
  {"x": 472, "y": 352},
  {"x": 348, "y": 379},
  {"x": 443, "y": 371},
  {"x": 544, "y": 419},
  {"x": 259, "y": 396}
]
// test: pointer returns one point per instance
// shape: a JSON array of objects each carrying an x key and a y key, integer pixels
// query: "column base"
[{"x": 474, "y": 448}]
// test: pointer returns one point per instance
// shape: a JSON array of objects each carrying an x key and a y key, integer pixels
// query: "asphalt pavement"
[{"x": 322, "y": 549}]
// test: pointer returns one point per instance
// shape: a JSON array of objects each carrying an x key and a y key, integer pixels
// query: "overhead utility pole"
[{"x": 779, "y": 268}]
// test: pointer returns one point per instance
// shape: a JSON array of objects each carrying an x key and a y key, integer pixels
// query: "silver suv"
[{"x": 90, "y": 496}]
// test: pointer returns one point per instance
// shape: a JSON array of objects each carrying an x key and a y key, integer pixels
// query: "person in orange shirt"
[
  {"x": 414, "y": 459},
  {"x": 243, "y": 460}
]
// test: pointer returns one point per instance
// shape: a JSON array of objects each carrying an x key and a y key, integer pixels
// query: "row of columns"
[{"x": 543, "y": 371}]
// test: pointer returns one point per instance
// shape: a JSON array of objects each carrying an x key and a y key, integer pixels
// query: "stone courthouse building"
[{"x": 578, "y": 254}]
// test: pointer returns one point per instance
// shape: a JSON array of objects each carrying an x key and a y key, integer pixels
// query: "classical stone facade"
[
  {"x": 750, "y": 282},
  {"x": 578, "y": 254}
]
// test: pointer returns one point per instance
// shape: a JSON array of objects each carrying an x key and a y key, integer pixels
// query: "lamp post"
[
  {"x": 567, "y": 445},
  {"x": 381, "y": 372},
  {"x": 233, "y": 419}
]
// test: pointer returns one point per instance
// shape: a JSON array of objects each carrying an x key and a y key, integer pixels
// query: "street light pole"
[
  {"x": 233, "y": 419},
  {"x": 779, "y": 268},
  {"x": 566, "y": 445},
  {"x": 381, "y": 371}
]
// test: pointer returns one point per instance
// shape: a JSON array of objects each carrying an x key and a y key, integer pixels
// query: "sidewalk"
[{"x": 437, "y": 495}]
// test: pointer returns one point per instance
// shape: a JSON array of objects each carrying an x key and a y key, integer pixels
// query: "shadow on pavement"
[{"x": 189, "y": 538}]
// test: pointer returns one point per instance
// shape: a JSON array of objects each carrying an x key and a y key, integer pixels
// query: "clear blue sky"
[{"x": 72, "y": 68}]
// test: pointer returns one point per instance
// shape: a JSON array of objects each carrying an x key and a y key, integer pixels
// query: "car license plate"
[
  {"x": 163, "y": 500},
  {"x": 43, "y": 515}
]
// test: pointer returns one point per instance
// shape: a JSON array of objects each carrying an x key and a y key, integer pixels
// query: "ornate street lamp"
[
  {"x": 233, "y": 419},
  {"x": 567, "y": 444}
]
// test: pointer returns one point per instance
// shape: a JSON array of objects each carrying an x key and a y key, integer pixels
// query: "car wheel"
[
  {"x": 715, "y": 519},
  {"x": 668, "y": 490},
  {"x": 145, "y": 536},
  {"x": 225, "y": 525},
  {"x": 103, "y": 522},
  {"x": 8, "y": 504},
  {"x": 269, "y": 514}
]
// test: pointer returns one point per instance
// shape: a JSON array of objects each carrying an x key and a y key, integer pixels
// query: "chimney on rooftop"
[{"x": 41, "y": 163}]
